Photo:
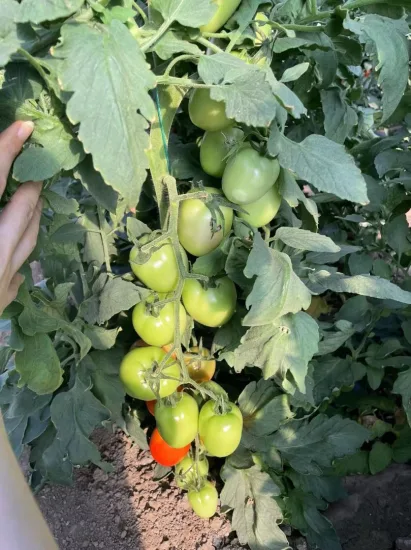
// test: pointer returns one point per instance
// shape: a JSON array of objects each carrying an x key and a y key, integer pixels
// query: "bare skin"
[{"x": 22, "y": 526}]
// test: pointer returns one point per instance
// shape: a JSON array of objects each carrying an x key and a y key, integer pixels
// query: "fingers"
[
  {"x": 11, "y": 142},
  {"x": 17, "y": 215},
  {"x": 28, "y": 241},
  {"x": 14, "y": 286}
]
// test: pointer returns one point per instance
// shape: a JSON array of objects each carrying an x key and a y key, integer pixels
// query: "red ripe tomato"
[{"x": 163, "y": 453}]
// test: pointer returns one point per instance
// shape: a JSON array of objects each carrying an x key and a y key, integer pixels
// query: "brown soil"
[{"x": 126, "y": 509}]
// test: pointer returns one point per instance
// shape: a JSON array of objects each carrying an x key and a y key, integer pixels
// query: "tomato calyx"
[{"x": 154, "y": 375}]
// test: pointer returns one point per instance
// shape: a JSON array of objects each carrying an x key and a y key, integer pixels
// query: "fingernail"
[{"x": 25, "y": 129}]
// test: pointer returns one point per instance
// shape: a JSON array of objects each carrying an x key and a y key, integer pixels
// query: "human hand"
[{"x": 20, "y": 219}]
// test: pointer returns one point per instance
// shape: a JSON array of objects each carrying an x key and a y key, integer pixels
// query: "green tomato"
[
  {"x": 215, "y": 147},
  {"x": 206, "y": 113},
  {"x": 187, "y": 472},
  {"x": 213, "y": 306},
  {"x": 177, "y": 423},
  {"x": 204, "y": 502},
  {"x": 194, "y": 225},
  {"x": 220, "y": 433},
  {"x": 138, "y": 364},
  {"x": 257, "y": 60},
  {"x": 248, "y": 176},
  {"x": 156, "y": 326},
  {"x": 262, "y": 31},
  {"x": 160, "y": 272},
  {"x": 262, "y": 211},
  {"x": 225, "y": 10}
]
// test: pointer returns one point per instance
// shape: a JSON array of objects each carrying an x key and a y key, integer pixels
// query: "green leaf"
[
  {"x": 50, "y": 459},
  {"x": 256, "y": 514},
  {"x": 292, "y": 194},
  {"x": 101, "y": 338},
  {"x": 97, "y": 60},
  {"x": 326, "y": 165},
  {"x": 353, "y": 464},
  {"x": 365, "y": 285},
  {"x": 277, "y": 289},
  {"x": 325, "y": 57},
  {"x": 311, "y": 446},
  {"x": 75, "y": 414},
  {"x": 35, "y": 163},
  {"x": 388, "y": 38},
  {"x": 340, "y": 118},
  {"x": 333, "y": 257},
  {"x": 103, "y": 370},
  {"x": 39, "y": 365},
  {"x": 380, "y": 457},
  {"x": 243, "y": 88},
  {"x": 360, "y": 264},
  {"x": 334, "y": 340},
  {"x": 235, "y": 264},
  {"x": 403, "y": 386},
  {"x": 171, "y": 43},
  {"x": 397, "y": 234},
  {"x": 306, "y": 240},
  {"x": 330, "y": 376},
  {"x": 323, "y": 487},
  {"x": 285, "y": 345},
  {"x": 286, "y": 97},
  {"x": 294, "y": 73},
  {"x": 401, "y": 449},
  {"x": 227, "y": 338},
  {"x": 94, "y": 183},
  {"x": 9, "y": 41},
  {"x": 210, "y": 264},
  {"x": 36, "y": 12},
  {"x": 392, "y": 160},
  {"x": 135, "y": 431},
  {"x": 191, "y": 13}
]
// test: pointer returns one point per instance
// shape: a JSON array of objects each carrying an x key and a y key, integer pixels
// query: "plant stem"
[
  {"x": 140, "y": 10},
  {"x": 162, "y": 30},
  {"x": 183, "y": 82},
  {"x": 305, "y": 28},
  {"x": 103, "y": 240},
  {"x": 223, "y": 35},
  {"x": 33, "y": 61},
  {"x": 317, "y": 17},
  {"x": 208, "y": 44},
  {"x": 360, "y": 3},
  {"x": 312, "y": 7},
  {"x": 176, "y": 60}
]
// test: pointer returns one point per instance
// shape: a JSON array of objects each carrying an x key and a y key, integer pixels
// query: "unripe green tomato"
[
  {"x": 160, "y": 272},
  {"x": 157, "y": 330},
  {"x": 215, "y": 147},
  {"x": 205, "y": 501},
  {"x": 248, "y": 176},
  {"x": 186, "y": 471},
  {"x": 194, "y": 225},
  {"x": 262, "y": 211},
  {"x": 225, "y": 10},
  {"x": 262, "y": 31},
  {"x": 259, "y": 61},
  {"x": 138, "y": 363},
  {"x": 206, "y": 113},
  {"x": 220, "y": 433},
  {"x": 212, "y": 307},
  {"x": 178, "y": 423}
]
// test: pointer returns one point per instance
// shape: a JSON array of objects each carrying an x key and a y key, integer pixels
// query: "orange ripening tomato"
[
  {"x": 163, "y": 453},
  {"x": 151, "y": 405},
  {"x": 200, "y": 370}
]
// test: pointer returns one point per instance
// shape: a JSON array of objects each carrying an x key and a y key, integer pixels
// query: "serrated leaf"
[
  {"x": 380, "y": 457},
  {"x": 94, "y": 183},
  {"x": 330, "y": 376},
  {"x": 339, "y": 117},
  {"x": 75, "y": 414},
  {"x": 322, "y": 258},
  {"x": 135, "y": 431},
  {"x": 171, "y": 43},
  {"x": 311, "y": 446},
  {"x": 97, "y": 59},
  {"x": 402, "y": 386},
  {"x": 364, "y": 285},
  {"x": 39, "y": 365},
  {"x": 323, "y": 487},
  {"x": 101, "y": 338},
  {"x": 190, "y": 13},
  {"x": 325, "y": 57},
  {"x": 256, "y": 514},
  {"x": 50, "y": 459},
  {"x": 306, "y": 240},
  {"x": 389, "y": 39},
  {"x": 284, "y": 346},
  {"x": 35, "y": 163},
  {"x": 292, "y": 194},
  {"x": 277, "y": 289},
  {"x": 326, "y": 165},
  {"x": 228, "y": 337},
  {"x": 32, "y": 11},
  {"x": 286, "y": 97},
  {"x": 9, "y": 42},
  {"x": 243, "y": 88}
]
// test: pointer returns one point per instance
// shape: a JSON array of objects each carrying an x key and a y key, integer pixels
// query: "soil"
[{"x": 127, "y": 509}]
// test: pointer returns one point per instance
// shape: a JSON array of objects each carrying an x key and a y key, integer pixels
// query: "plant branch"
[
  {"x": 184, "y": 57},
  {"x": 208, "y": 44},
  {"x": 141, "y": 12},
  {"x": 182, "y": 82},
  {"x": 162, "y": 30}
]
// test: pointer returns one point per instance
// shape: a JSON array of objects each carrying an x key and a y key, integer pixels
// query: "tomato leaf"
[
  {"x": 340, "y": 118},
  {"x": 39, "y": 365},
  {"x": 37, "y": 12},
  {"x": 250, "y": 493},
  {"x": 192, "y": 13},
  {"x": 306, "y": 240},
  {"x": 311, "y": 446},
  {"x": 95, "y": 93},
  {"x": 403, "y": 386},
  {"x": 388, "y": 38},
  {"x": 94, "y": 183},
  {"x": 9, "y": 41},
  {"x": 277, "y": 289},
  {"x": 172, "y": 43},
  {"x": 284, "y": 346}
]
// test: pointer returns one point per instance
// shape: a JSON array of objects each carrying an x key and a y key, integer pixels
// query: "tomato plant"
[
  {"x": 177, "y": 422},
  {"x": 304, "y": 301},
  {"x": 160, "y": 271},
  {"x": 220, "y": 431},
  {"x": 188, "y": 471},
  {"x": 135, "y": 370},
  {"x": 195, "y": 225},
  {"x": 163, "y": 453},
  {"x": 212, "y": 306},
  {"x": 156, "y": 324},
  {"x": 204, "y": 501},
  {"x": 248, "y": 176},
  {"x": 215, "y": 147},
  {"x": 200, "y": 364}
]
